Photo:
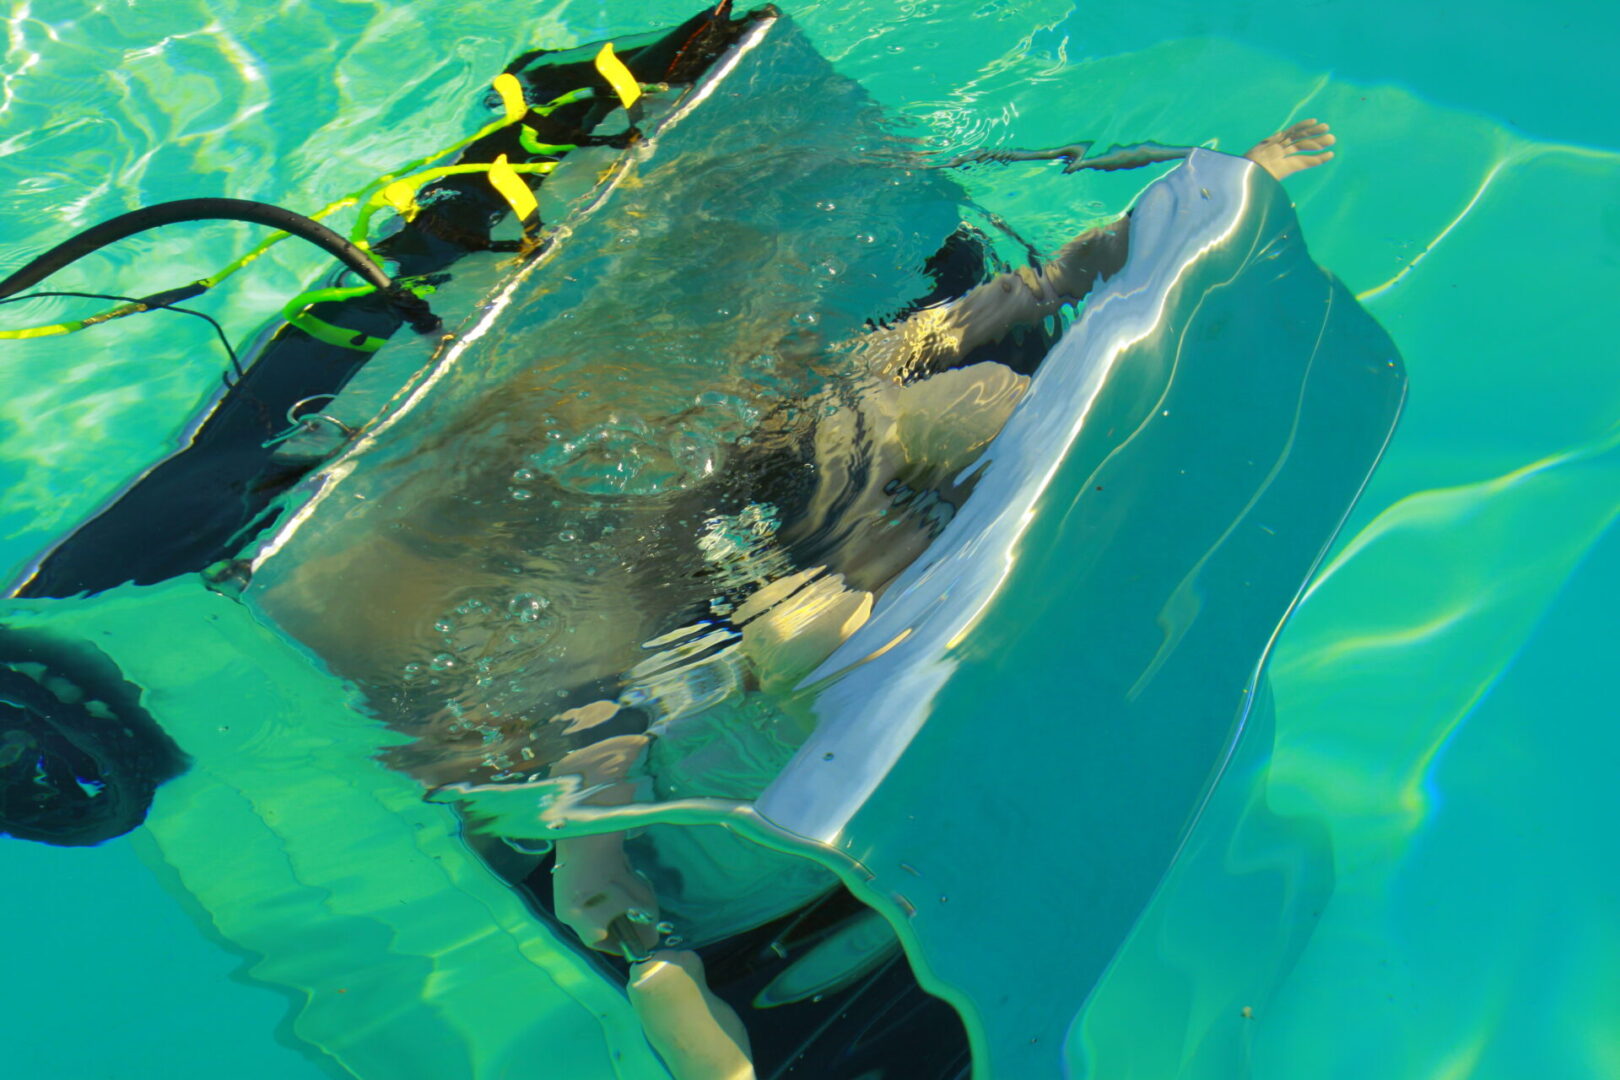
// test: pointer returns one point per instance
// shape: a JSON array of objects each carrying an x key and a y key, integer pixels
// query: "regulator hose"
[{"x": 410, "y": 306}]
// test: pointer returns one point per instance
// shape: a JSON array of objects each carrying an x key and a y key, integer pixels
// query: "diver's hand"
[
  {"x": 594, "y": 884},
  {"x": 1295, "y": 149}
]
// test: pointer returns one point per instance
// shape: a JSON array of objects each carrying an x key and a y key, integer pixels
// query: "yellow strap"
[
  {"x": 41, "y": 331},
  {"x": 511, "y": 92},
  {"x": 512, "y": 189},
  {"x": 75, "y": 325},
  {"x": 401, "y": 195},
  {"x": 618, "y": 76}
]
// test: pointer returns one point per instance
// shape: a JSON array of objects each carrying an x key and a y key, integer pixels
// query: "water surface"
[{"x": 1440, "y": 722}]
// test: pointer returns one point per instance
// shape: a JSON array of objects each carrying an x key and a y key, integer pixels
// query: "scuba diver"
[{"x": 924, "y": 424}]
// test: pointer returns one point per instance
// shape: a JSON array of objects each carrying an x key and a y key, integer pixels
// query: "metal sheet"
[{"x": 1062, "y": 678}]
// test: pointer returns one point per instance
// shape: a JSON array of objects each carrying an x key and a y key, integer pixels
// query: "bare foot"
[
  {"x": 699, "y": 1036},
  {"x": 1294, "y": 150}
]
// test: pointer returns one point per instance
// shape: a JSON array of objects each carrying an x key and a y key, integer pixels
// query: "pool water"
[{"x": 1431, "y": 808}]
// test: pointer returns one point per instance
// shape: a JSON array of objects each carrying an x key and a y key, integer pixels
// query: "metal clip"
[{"x": 310, "y": 421}]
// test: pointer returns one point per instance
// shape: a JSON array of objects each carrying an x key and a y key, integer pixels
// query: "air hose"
[{"x": 411, "y": 307}]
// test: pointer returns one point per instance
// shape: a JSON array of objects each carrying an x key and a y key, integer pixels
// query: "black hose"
[{"x": 412, "y": 307}]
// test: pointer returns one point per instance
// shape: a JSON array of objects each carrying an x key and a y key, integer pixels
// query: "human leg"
[{"x": 593, "y": 884}]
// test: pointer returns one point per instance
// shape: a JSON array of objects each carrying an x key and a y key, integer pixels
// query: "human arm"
[
  {"x": 1079, "y": 156},
  {"x": 938, "y": 338}
]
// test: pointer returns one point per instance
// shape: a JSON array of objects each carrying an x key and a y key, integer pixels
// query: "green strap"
[
  {"x": 529, "y": 139},
  {"x": 295, "y": 312},
  {"x": 584, "y": 93}
]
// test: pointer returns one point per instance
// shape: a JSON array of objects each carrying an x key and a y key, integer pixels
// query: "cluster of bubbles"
[
  {"x": 622, "y": 455},
  {"x": 741, "y": 548},
  {"x": 482, "y": 655}
]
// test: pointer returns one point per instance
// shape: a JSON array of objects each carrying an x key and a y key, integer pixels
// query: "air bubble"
[
  {"x": 523, "y": 476},
  {"x": 639, "y": 917},
  {"x": 443, "y": 662},
  {"x": 444, "y": 626},
  {"x": 521, "y": 494},
  {"x": 665, "y": 928},
  {"x": 525, "y": 607},
  {"x": 568, "y": 536}
]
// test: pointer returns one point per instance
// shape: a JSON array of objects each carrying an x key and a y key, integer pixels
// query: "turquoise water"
[{"x": 1440, "y": 737}]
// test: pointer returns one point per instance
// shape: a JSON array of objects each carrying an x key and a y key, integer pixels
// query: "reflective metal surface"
[{"x": 1155, "y": 507}]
